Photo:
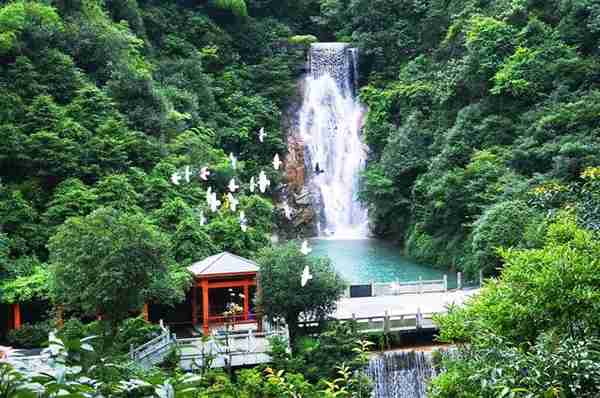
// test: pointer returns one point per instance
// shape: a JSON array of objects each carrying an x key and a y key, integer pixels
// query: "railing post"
[
  {"x": 372, "y": 288},
  {"x": 347, "y": 291},
  {"x": 418, "y": 323},
  {"x": 459, "y": 280},
  {"x": 445, "y": 282},
  {"x": 386, "y": 323},
  {"x": 480, "y": 278},
  {"x": 420, "y": 285}
]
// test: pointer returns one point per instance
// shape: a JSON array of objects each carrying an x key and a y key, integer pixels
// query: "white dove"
[
  {"x": 214, "y": 203},
  {"x": 175, "y": 178},
  {"x": 306, "y": 276},
  {"x": 305, "y": 249},
  {"x": 276, "y": 162},
  {"x": 252, "y": 184},
  {"x": 263, "y": 182},
  {"x": 243, "y": 221},
  {"x": 287, "y": 210},
  {"x": 262, "y": 134},
  {"x": 233, "y": 186},
  {"x": 233, "y": 160},
  {"x": 204, "y": 173},
  {"x": 233, "y": 202},
  {"x": 202, "y": 219},
  {"x": 187, "y": 174}
]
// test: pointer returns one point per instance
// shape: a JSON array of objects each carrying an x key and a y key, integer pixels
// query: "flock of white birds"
[{"x": 262, "y": 183}]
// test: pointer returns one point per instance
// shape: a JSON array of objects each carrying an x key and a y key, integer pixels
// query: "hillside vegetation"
[
  {"x": 102, "y": 101},
  {"x": 483, "y": 119}
]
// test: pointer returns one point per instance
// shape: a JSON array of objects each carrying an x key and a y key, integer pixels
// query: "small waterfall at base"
[
  {"x": 401, "y": 374},
  {"x": 330, "y": 122}
]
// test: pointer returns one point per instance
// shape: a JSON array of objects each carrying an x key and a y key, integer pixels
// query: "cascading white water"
[{"x": 330, "y": 122}]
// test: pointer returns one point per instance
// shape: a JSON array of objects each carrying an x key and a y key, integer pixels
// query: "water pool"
[{"x": 365, "y": 260}]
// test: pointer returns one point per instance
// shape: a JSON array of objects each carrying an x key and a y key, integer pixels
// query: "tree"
[
  {"x": 111, "y": 262},
  {"x": 283, "y": 296},
  {"x": 531, "y": 318}
]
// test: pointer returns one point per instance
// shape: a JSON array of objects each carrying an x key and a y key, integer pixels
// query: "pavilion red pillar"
[
  {"x": 246, "y": 299},
  {"x": 205, "y": 309},
  {"x": 259, "y": 312},
  {"x": 146, "y": 312},
  {"x": 16, "y": 308},
  {"x": 194, "y": 303}
]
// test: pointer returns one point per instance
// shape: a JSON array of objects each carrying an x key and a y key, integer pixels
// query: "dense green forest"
[
  {"x": 103, "y": 101},
  {"x": 483, "y": 118},
  {"x": 484, "y": 145}
]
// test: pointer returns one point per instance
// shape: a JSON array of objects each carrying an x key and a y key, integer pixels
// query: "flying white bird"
[
  {"x": 175, "y": 178},
  {"x": 214, "y": 203},
  {"x": 305, "y": 249},
  {"x": 233, "y": 160},
  {"x": 287, "y": 210},
  {"x": 243, "y": 221},
  {"x": 233, "y": 202},
  {"x": 306, "y": 276},
  {"x": 262, "y": 134},
  {"x": 204, "y": 173},
  {"x": 276, "y": 162},
  {"x": 187, "y": 174},
  {"x": 202, "y": 219},
  {"x": 252, "y": 184},
  {"x": 233, "y": 186},
  {"x": 263, "y": 182}
]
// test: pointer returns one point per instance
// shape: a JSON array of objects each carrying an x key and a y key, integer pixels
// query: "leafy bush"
[{"x": 30, "y": 335}]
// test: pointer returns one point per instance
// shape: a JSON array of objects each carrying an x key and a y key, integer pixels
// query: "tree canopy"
[
  {"x": 283, "y": 296},
  {"x": 110, "y": 263}
]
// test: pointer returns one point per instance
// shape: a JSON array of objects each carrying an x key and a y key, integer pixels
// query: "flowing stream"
[{"x": 330, "y": 122}]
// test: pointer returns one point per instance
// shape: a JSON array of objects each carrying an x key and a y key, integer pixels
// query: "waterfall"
[
  {"x": 401, "y": 374},
  {"x": 330, "y": 122}
]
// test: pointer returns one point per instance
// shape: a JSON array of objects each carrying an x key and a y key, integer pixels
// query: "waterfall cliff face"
[{"x": 330, "y": 122}]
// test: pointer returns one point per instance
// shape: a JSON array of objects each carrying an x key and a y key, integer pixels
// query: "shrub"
[{"x": 30, "y": 335}]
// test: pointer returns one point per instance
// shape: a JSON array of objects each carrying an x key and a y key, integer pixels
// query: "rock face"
[
  {"x": 294, "y": 192},
  {"x": 294, "y": 164}
]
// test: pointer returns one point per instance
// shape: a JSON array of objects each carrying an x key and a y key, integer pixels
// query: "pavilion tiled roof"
[{"x": 223, "y": 263}]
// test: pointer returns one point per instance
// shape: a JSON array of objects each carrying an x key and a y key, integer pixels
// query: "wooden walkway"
[
  {"x": 399, "y": 313},
  {"x": 236, "y": 348}
]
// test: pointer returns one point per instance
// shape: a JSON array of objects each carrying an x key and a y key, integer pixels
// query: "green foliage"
[
  {"x": 111, "y": 262},
  {"x": 303, "y": 39},
  {"x": 30, "y": 335},
  {"x": 283, "y": 296},
  {"x": 531, "y": 318},
  {"x": 26, "y": 287},
  {"x": 237, "y": 7}
]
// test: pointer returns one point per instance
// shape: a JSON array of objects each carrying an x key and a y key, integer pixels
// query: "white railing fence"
[
  {"x": 386, "y": 323},
  {"x": 154, "y": 351},
  {"x": 375, "y": 289}
]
